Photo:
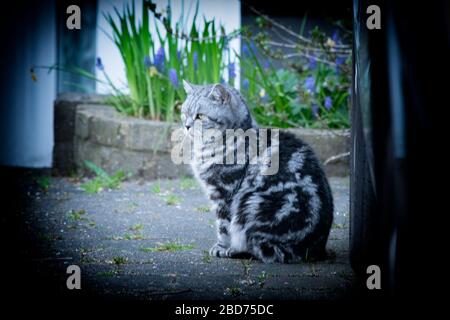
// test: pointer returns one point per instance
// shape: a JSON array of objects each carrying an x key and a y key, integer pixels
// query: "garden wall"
[{"x": 87, "y": 130}]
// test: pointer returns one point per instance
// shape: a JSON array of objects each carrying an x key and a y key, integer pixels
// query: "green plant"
[
  {"x": 311, "y": 99},
  {"x": 337, "y": 226},
  {"x": 156, "y": 188},
  {"x": 172, "y": 200},
  {"x": 262, "y": 279},
  {"x": 44, "y": 183},
  {"x": 206, "y": 257},
  {"x": 168, "y": 247},
  {"x": 187, "y": 183},
  {"x": 102, "y": 179},
  {"x": 247, "y": 264},
  {"x": 77, "y": 215},
  {"x": 310, "y": 91},
  {"x": 136, "y": 236},
  {"x": 233, "y": 291},
  {"x": 203, "y": 209},
  {"x": 109, "y": 273},
  {"x": 137, "y": 227},
  {"x": 119, "y": 260},
  {"x": 154, "y": 67}
]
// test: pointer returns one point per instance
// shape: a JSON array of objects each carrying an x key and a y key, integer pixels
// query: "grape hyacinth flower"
[
  {"x": 315, "y": 110},
  {"x": 335, "y": 37},
  {"x": 147, "y": 62},
  {"x": 173, "y": 77},
  {"x": 231, "y": 71},
  {"x": 226, "y": 44},
  {"x": 310, "y": 84},
  {"x": 340, "y": 60},
  {"x": 245, "y": 84},
  {"x": 195, "y": 58},
  {"x": 312, "y": 63},
  {"x": 328, "y": 103},
  {"x": 159, "y": 59},
  {"x": 99, "y": 64},
  {"x": 245, "y": 51}
]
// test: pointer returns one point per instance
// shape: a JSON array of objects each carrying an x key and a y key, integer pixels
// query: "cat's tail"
[{"x": 270, "y": 252}]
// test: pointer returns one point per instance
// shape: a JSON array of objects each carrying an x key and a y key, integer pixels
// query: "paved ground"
[{"x": 149, "y": 240}]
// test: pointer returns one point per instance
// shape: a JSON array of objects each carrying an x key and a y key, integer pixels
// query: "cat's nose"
[{"x": 188, "y": 123}]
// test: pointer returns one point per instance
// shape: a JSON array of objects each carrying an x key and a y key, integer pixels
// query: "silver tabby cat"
[{"x": 284, "y": 217}]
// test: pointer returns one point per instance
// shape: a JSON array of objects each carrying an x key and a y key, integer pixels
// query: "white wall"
[
  {"x": 26, "y": 131},
  {"x": 227, "y": 12}
]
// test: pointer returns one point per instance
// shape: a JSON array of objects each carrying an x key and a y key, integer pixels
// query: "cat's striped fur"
[{"x": 285, "y": 217}]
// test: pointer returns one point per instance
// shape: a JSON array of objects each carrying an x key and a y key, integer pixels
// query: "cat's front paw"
[{"x": 219, "y": 251}]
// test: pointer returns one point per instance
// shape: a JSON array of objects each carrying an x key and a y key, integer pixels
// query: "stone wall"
[
  {"x": 328, "y": 144},
  {"x": 64, "y": 129},
  {"x": 87, "y": 130},
  {"x": 115, "y": 142}
]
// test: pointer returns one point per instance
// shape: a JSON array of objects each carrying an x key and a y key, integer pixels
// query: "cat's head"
[{"x": 215, "y": 106}]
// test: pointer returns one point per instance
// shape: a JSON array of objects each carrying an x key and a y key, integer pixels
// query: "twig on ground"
[{"x": 336, "y": 157}]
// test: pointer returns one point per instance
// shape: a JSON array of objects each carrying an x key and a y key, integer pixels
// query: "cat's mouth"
[
  {"x": 189, "y": 132},
  {"x": 193, "y": 131}
]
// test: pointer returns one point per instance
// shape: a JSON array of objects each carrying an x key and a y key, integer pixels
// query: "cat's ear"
[
  {"x": 188, "y": 87},
  {"x": 220, "y": 94}
]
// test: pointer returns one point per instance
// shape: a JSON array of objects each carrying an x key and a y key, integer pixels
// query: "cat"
[{"x": 284, "y": 217}]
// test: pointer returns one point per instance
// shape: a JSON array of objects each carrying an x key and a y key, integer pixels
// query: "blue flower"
[
  {"x": 226, "y": 45},
  {"x": 231, "y": 71},
  {"x": 266, "y": 64},
  {"x": 160, "y": 57},
  {"x": 245, "y": 83},
  {"x": 195, "y": 58},
  {"x": 328, "y": 103},
  {"x": 99, "y": 64},
  {"x": 312, "y": 63},
  {"x": 245, "y": 51},
  {"x": 315, "y": 110},
  {"x": 340, "y": 60},
  {"x": 335, "y": 37},
  {"x": 173, "y": 77},
  {"x": 310, "y": 84},
  {"x": 178, "y": 54},
  {"x": 147, "y": 62}
]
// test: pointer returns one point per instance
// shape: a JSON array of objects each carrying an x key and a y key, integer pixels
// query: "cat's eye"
[{"x": 200, "y": 116}]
